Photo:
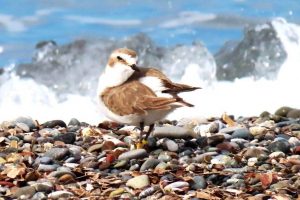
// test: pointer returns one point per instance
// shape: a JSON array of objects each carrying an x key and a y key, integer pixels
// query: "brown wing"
[{"x": 134, "y": 98}]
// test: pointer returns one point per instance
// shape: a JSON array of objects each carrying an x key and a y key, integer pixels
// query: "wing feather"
[{"x": 134, "y": 97}]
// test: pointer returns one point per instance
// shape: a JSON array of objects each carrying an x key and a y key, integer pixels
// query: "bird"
[{"x": 138, "y": 96}]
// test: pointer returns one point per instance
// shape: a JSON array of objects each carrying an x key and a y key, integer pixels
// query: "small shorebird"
[{"x": 137, "y": 96}]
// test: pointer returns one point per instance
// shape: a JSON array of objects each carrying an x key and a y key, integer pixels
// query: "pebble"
[
  {"x": 74, "y": 122},
  {"x": 138, "y": 182},
  {"x": 133, "y": 154},
  {"x": 150, "y": 163},
  {"x": 47, "y": 168},
  {"x": 161, "y": 166},
  {"x": 223, "y": 160},
  {"x": 28, "y": 138},
  {"x": 46, "y": 187},
  {"x": 28, "y": 121},
  {"x": 39, "y": 196},
  {"x": 173, "y": 132},
  {"x": 95, "y": 147},
  {"x": 252, "y": 161},
  {"x": 164, "y": 156},
  {"x": 255, "y": 152},
  {"x": 243, "y": 133},
  {"x": 199, "y": 182},
  {"x": 283, "y": 111},
  {"x": 57, "y": 153},
  {"x": 277, "y": 154},
  {"x": 45, "y": 160},
  {"x": 54, "y": 123},
  {"x": 176, "y": 185},
  {"x": 215, "y": 139},
  {"x": 258, "y": 130},
  {"x": 281, "y": 145},
  {"x": 67, "y": 138},
  {"x": 60, "y": 194},
  {"x": 294, "y": 114},
  {"x": 23, "y": 126},
  {"x": 148, "y": 191},
  {"x": 170, "y": 145},
  {"x": 53, "y": 161},
  {"x": 26, "y": 191}
]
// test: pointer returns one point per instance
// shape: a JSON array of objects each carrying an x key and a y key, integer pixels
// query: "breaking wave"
[{"x": 245, "y": 77}]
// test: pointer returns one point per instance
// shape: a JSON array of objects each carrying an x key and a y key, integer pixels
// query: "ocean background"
[{"x": 244, "y": 54}]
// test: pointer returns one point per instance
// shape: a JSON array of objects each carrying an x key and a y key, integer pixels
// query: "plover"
[{"x": 137, "y": 96}]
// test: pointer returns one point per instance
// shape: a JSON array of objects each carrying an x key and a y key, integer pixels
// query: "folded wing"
[{"x": 134, "y": 97}]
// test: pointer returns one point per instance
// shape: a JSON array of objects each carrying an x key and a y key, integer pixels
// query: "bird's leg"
[
  {"x": 142, "y": 126},
  {"x": 151, "y": 127},
  {"x": 139, "y": 144}
]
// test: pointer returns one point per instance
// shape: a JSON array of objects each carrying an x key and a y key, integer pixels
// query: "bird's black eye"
[{"x": 119, "y": 58}]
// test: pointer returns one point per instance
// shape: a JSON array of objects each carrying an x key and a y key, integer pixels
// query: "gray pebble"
[
  {"x": 74, "y": 122},
  {"x": 171, "y": 145},
  {"x": 281, "y": 145},
  {"x": 133, "y": 154},
  {"x": 150, "y": 163},
  {"x": 173, "y": 132},
  {"x": 28, "y": 121},
  {"x": 39, "y": 196},
  {"x": 199, "y": 182},
  {"x": 47, "y": 168},
  {"x": 57, "y": 153},
  {"x": 45, "y": 160},
  {"x": 23, "y": 126},
  {"x": 43, "y": 187},
  {"x": 163, "y": 156},
  {"x": 242, "y": 133}
]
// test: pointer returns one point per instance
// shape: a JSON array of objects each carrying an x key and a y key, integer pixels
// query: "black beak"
[{"x": 134, "y": 67}]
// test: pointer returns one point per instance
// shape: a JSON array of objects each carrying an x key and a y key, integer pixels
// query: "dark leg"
[
  {"x": 151, "y": 127},
  {"x": 142, "y": 125}
]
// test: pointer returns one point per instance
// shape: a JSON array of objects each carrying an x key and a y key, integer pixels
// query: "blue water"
[{"x": 30, "y": 21}]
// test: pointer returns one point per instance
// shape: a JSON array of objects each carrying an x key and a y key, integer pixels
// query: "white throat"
[{"x": 115, "y": 76}]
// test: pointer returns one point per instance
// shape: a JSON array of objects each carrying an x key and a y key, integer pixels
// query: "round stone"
[
  {"x": 57, "y": 153},
  {"x": 171, "y": 145},
  {"x": 283, "y": 111},
  {"x": 280, "y": 145},
  {"x": 67, "y": 138},
  {"x": 54, "y": 123},
  {"x": 242, "y": 133},
  {"x": 138, "y": 182}
]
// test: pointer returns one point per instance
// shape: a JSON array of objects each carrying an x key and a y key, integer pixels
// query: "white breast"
[{"x": 155, "y": 84}]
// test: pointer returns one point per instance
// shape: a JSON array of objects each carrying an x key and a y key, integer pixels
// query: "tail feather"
[
  {"x": 180, "y": 100},
  {"x": 181, "y": 89}
]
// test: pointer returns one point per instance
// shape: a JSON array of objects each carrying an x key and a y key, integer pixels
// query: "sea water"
[{"x": 58, "y": 81}]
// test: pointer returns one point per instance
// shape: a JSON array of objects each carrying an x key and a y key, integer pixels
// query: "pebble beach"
[{"x": 225, "y": 157}]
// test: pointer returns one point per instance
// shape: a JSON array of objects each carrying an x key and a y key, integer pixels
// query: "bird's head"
[{"x": 122, "y": 61}]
